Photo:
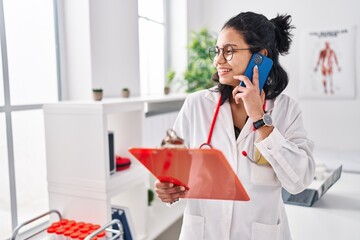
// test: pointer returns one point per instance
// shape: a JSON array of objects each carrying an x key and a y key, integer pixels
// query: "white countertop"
[{"x": 336, "y": 216}]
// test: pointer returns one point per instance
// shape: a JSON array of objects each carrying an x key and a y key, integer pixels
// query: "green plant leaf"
[
  {"x": 170, "y": 76},
  {"x": 200, "y": 68}
]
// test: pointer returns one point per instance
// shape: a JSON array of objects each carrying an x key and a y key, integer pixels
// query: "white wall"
[
  {"x": 114, "y": 46},
  {"x": 177, "y": 60},
  {"x": 332, "y": 124},
  {"x": 99, "y": 47},
  {"x": 75, "y": 49},
  {"x": 100, "y": 42}
]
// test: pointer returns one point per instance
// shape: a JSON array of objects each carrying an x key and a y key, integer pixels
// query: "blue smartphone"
[{"x": 264, "y": 65}]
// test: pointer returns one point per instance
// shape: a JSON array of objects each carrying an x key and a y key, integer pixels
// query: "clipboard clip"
[{"x": 172, "y": 140}]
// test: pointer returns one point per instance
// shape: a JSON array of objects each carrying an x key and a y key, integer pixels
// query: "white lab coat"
[{"x": 287, "y": 149}]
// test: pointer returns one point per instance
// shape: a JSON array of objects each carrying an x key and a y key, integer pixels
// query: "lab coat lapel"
[
  {"x": 227, "y": 122},
  {"x": 224, "y": 119},
  {"x": 245, "y": 131},
  {"x": 248, "y": 127}
]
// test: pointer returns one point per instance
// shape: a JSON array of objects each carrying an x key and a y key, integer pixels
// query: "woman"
[{"x": 243, "y": 124}]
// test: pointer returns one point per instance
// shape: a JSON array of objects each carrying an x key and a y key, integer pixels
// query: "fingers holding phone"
[
  {"x": 250, "y": 89},
  {"x": 257, "y": 71},
  {"x": 247, "y": 87},
  {"x": 263, "y": 64}
]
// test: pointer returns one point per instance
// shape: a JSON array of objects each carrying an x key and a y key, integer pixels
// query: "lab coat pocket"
[
  {"x": 192, "y": 228},
  {"x": 261, "y": 231},
  {"x": 263, "y": 175}
]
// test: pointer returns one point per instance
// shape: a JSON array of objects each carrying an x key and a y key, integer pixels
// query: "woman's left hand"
[{"x": 252, "y": 99}]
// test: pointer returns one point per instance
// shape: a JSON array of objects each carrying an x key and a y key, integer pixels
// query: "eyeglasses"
[{"x": 227, "y": 52}]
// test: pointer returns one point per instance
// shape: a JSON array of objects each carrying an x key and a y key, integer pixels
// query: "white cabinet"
[{"x": 78, "y": 171}]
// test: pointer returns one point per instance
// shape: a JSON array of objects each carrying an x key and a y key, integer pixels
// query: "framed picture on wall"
[{"x": 327, "y": 65}]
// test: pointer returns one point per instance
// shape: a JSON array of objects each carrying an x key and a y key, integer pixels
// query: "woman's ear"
[{"x": 264, "y": 51}]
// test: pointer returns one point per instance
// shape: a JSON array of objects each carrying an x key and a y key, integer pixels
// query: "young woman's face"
[{"x": 227, "y": 69}]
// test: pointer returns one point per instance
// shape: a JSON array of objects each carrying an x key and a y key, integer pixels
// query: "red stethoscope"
[{"x": 207, "y": 144}]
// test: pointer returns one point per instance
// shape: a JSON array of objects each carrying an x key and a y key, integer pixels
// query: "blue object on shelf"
[{"x": 118, "y": 213}]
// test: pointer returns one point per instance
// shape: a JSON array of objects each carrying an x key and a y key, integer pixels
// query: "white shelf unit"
[
  {"x": 79, "y": 181},
  {"x": 160, "y": 219}
]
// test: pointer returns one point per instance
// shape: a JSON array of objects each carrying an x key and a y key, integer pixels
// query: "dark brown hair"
[{"x": 260, "y": 33}]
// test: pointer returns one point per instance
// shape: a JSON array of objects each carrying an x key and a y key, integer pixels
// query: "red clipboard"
[{"x": 205, "y": 173}]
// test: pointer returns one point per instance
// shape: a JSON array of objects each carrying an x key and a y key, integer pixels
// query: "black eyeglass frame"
[{"x": 215, "y": 50}]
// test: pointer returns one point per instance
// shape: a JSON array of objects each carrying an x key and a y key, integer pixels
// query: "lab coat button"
[{"x": 269, "y": 146}]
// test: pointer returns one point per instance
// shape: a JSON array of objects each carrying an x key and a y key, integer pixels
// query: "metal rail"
[
  {"x": 17, "y": 229},
  {"x": 118, "y": 233}
]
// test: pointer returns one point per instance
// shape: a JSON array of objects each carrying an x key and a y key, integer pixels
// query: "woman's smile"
[{"x": 223, "y": 71}]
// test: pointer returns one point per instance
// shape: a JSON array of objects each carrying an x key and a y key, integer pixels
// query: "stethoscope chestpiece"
[{"x": 205, "y": 146}]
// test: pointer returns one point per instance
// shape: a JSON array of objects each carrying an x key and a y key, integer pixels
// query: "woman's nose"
[{"x": 220, "y": 59}]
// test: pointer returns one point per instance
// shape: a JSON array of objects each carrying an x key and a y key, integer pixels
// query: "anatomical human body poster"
[{"x": 327, "y": 66}]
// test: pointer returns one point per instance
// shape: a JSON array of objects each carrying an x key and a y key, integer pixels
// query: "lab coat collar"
[
  {"x": 245, "y": 131},
  {"x": 228, "y": 124},
  {"x": 224, "y": 119},
  {"x": 212, "y": 95},
  {"x": 269, "y": 105}
]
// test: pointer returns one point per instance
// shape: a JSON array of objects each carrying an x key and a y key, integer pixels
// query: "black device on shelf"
[{"x": 111, "y": 152}]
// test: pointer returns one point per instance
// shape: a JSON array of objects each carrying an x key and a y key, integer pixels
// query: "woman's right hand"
[{"x": 168, "y": 192}]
